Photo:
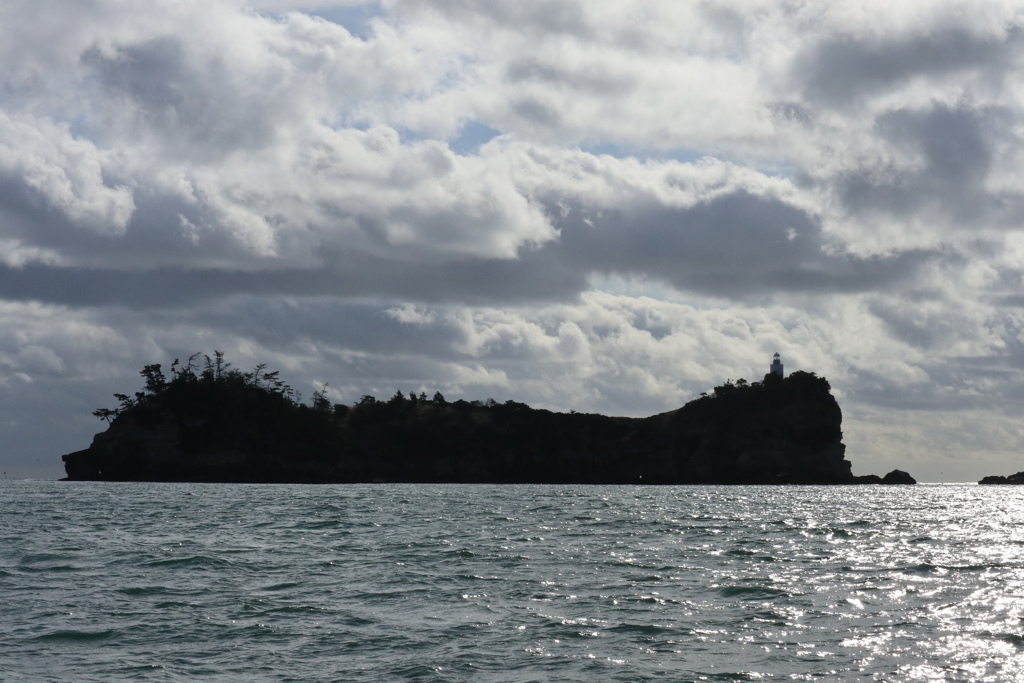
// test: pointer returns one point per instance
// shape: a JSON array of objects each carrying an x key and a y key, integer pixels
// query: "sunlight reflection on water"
[{"x": 102, "y": 581}]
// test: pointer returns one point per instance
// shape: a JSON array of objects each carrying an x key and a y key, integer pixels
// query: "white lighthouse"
[{"x": 776, "y": 368}]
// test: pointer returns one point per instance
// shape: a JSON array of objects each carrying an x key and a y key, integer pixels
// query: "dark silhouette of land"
[
  {"x": 212, "y": 423},
  {"x": 1017, "y": 479}
]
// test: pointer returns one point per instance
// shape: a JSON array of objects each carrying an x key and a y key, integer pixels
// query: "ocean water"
[{"x": 184, "y": 582}]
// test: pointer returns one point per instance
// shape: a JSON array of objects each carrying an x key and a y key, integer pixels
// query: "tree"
[
  {"x": 155, "y": 380},
  {"x": 220, "y": 365},
  {"x": 216, "y": 366},
  {"x": 320, "y": 402},
  {"x": 105, "y": 414},
  {"x": 126, "y": 401},
  {"x": 188, "y": 372},
  {"x": 256, "y": 376},
  {"x": 725, "y": 388}
]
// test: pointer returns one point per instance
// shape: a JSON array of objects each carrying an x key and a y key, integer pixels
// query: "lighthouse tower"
[{"x": 776, "y": 368}]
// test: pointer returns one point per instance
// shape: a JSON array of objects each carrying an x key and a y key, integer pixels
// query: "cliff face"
[{"x": 776, "y": 431}]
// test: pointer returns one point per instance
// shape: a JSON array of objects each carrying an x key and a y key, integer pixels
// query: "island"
[
  {"x": 209, "y": 422},
  {"x": 1015, "y": 479}
]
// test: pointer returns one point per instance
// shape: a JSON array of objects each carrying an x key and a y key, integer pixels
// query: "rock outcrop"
[
  {"x": 894, "y": 477},
  {"x": 1017, "y": 478},
  {"x": 232, "y": 428}
]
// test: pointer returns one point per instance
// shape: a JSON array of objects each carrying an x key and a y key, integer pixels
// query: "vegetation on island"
[{"x": 209, "y": 421}]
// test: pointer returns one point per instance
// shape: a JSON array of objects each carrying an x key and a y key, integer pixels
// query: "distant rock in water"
[
  {"x": 221, "y": 425},
  {"x": 996, "y": 479},
  {"x": 898, "y": 477},
  {"x": 894, "y": 477}
]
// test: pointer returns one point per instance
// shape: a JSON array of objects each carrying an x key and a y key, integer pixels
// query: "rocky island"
[
  {"x": 1016, "y": 479},
  {"x": 212, "y": 423}
]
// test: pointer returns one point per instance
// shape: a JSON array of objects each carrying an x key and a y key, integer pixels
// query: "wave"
[{"x": 752, "y": 593}]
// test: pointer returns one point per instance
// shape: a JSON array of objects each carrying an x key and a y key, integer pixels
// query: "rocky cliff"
[
  {"x": 1016, "y": 479},
  {"x": 233, "y": 427}
]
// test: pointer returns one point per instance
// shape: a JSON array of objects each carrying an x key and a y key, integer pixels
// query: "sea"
[{"x": 216, "y": 582}]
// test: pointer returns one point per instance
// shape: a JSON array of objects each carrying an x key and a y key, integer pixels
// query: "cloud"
[
  {"x": 45, "y": 173},
  {"x": 733, "y": 245},
  {"x": 195, "y": 105},
  {"x": 842, "y": 69},
  {"x": 949, "y": 158},
  {"x": 413, "y": 194},
  {"x": 473, "y": 237}
]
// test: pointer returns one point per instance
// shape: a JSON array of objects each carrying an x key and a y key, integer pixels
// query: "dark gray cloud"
[
  {"x": 549, "y": 16},
  {"x": 289, "y": 324},
  {"x": 152, "y": 235},
  {"x": 536, "y": 112},
  {"x": 840, "y": 69},
  {"x": 536, "y": 276},
  {"x": 918, "y": 326},
  {"x": 959, "y": 383},
  {"x": 188, "y": 103},
  {"x": 593, "y": 79},
  {"x": 956, "y": 145},
  {"x": 736, "y": 245}
]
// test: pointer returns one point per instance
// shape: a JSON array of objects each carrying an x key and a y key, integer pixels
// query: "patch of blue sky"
[
  {"x": 81, "y": 128},
  {"x": 349, "y": 118},
  {"x": 467, "y": 143},
  {"x": 778, "y": 168},
  {"x": 357, "y": 19},
  {"x": 409, "y": 136},
  {"x": 77, "y": 126},
  {"x": 471, "y": 136}
]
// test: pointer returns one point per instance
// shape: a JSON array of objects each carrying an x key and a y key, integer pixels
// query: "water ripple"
[{"x": 179, "y": 582}]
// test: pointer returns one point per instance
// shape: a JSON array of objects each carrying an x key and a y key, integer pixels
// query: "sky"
[{"x": 591, "y": 205}]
